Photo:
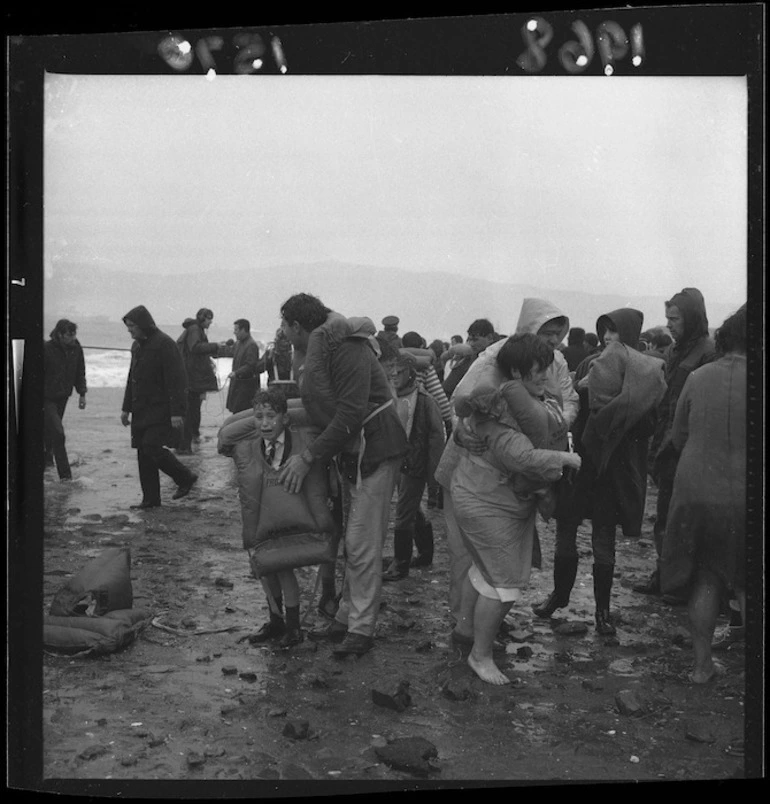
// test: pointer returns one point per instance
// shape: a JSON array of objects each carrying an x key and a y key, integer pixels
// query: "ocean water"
[{"x": 107, "y": 368}]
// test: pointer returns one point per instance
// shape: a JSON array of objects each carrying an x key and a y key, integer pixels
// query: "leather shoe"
[
  {"x": 293, "y": 636},
  {"x": 184, "y": 488},
  {"x": 357, "y": 644},
  {"x": 604, "y": 624},
  {"x": 334, "y": 632},
  {"x": 548, "y": 606},
  {"x": 270, "y": 630},
  {"x": 145, "y": 504}
]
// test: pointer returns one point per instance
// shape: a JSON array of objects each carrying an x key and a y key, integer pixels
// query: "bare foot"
[
  {"x": 488, "y": 671},
  {"x": 709, "y": 674}
]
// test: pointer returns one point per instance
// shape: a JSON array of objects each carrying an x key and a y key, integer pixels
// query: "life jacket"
[{"x": 306, "y": 511}]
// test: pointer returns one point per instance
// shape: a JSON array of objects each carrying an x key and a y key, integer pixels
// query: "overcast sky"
[{"x": 631, "y": 185}]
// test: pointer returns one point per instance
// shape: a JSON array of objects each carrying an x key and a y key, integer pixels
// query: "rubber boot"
[
  {"x": 423, "y": 540},
  {"x": 402, "y": 550},
  {"x": 293, "y": 634},
  {"x": 602, "y": 588},
  {"x": 564, "y": 573}
]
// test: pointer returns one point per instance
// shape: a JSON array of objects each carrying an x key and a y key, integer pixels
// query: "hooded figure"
[
  {"x": 692, "y": 348},
  {"x": 535, "y": 314},
  {"x": 619, "y": 389},
  {"x": 154, "y": 404},
  {"x": 689, "y": 350}
]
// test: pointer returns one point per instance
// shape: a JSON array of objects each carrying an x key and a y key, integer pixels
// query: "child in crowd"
[
  {"x": 281, "y": 589},
  {"x": 420, "y": 416}
]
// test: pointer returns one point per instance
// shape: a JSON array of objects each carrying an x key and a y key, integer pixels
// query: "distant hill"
[{"x": 437, "y": 305}]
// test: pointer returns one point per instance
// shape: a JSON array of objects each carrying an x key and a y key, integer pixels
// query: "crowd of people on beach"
[{"x": 493, "y": 430}]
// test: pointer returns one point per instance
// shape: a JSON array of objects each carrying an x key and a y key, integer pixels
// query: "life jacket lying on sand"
[{"x": 92, "y": 613}]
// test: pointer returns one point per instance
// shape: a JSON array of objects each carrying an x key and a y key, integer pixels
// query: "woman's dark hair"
[
  {"x": 520, "y": 353},
  {"x": 308, "y": 311},
  {"x": 204, "y": 313},
  {"x": 64, "y": 327},
  {"x": 731, "y": 336}
]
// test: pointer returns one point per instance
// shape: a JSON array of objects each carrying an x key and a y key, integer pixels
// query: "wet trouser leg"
[
  {"x": 153, "y": 457},
  {"x": 54, "y": 435},
  {"x": 410, "y": 491},
  {"x": 367, "y": 524}
]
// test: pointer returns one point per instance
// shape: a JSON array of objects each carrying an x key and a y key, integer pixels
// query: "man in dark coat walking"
[
  {"x": 154, "y": 405},
  {"x": 65, "y": 369},
  {"x": 244, "y": 376}
]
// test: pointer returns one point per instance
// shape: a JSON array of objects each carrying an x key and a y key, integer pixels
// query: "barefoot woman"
[
  {"x": 704, "y": 548},
  {"x": 495, "y": 511}
]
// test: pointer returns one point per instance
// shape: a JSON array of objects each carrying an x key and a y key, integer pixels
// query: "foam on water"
[{"x": 109, "y": 369}]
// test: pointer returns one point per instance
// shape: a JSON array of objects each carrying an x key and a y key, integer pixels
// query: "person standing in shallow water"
[
  {"x": 154, "y": 406},
  {"x": 197, "y": 354},
  {"x": 65, "y": 369}
]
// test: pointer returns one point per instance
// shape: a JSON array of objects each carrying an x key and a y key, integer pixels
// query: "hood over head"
[
  {"x": 141, "y": 317},
  {"x": 626, "y": 321},
  {"x": 536, "y": 312},
  {"x": 693, "y": 309}
]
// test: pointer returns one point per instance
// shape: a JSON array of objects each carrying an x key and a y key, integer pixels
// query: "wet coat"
[
  {"x": 694, "y": 349},
  {"x": 197, "y": 354},
  {"x": 245, "y": 382},
  {"x": 426, "y": 437},
  {"x": 616, "y": 419},
  {"x": 342, "y": 383},
  {"x": 65, "y": 369},
  {"x": 706, "y": 523},
  {"x": 155, "y": 388}
]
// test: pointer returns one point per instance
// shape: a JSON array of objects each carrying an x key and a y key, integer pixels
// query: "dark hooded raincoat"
[
  {"x": 612, "y": 431},
  {"x": 155, "y": 389}
]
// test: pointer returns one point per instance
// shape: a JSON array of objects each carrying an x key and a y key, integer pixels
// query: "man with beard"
[
  {"x": 154, "y": 406},
  {"x": 692, "y": 347}
]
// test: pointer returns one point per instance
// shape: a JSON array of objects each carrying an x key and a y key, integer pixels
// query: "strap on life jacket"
[{"x": 382, "y": 407}]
